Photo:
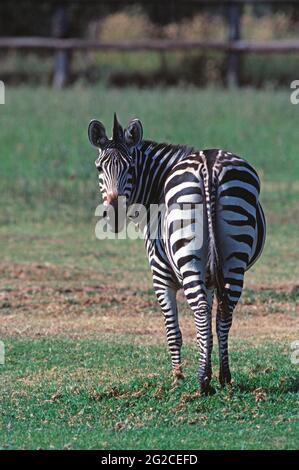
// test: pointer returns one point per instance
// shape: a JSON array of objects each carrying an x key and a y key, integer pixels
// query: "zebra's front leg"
[{"x": 167, "y": 300}]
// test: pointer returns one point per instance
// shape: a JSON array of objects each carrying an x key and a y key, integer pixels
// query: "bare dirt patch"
[{"x": 38, "y": 300}]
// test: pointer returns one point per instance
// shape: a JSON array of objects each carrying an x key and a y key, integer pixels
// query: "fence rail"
[
  {"x": 233, "y": 47},
  {"x": 283, "y": 46}
]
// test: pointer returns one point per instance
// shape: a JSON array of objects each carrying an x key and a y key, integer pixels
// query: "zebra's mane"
[
  {"x": 151, "y": 147},
  {"x": 154, "y": 161}
]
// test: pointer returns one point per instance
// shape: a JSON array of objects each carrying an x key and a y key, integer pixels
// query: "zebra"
[{"x": 233, "y": 229}]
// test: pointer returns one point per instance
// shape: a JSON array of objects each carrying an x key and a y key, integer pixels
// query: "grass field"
[{"x": 86, "y": 358}]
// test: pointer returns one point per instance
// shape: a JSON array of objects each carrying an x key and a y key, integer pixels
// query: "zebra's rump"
[
  {"x": 240, "y": 222},
  {"x": 232, "y": 220},
  {"x": 261, "y": 235}
]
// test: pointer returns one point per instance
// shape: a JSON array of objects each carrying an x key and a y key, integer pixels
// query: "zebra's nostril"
[{"x": 112, "y": 198}]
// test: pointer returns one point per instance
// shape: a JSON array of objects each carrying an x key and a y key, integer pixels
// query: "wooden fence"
[{"x": 233, "y": 47}]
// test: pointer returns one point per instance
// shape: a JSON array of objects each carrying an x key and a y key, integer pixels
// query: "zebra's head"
[{"x": 115, "y": 162}]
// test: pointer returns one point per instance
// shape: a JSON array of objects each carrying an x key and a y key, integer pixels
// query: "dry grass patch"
[{"x": 41, "y": 300}]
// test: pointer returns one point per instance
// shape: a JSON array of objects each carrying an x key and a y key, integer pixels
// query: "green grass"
[
  {"x": 75, "y": 245},
  {"x": 110, "y": 391},
  {"x": 47, "y": 164},
  {"x": 44, "y": 132},
  {"x": 100, "y": 394}
]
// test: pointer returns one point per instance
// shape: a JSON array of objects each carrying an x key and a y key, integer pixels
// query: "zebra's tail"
[{"x": 214, "y": 272}]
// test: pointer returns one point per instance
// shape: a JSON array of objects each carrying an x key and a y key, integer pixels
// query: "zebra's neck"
[{"x": 153, "y": 162}]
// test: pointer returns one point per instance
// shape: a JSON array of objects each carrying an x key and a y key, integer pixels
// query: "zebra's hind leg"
[
  {"x": 167, "y": 300},
  {"x": 223, "y": 323},
  {"x": 224, "y": 319},
  {"x": 201, "y": 302},
  {"x": 203, "y": 323}
]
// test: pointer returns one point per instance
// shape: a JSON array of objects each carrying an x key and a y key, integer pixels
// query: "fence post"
[
  {"x": 61, "y": 58},
  {"x": 234, "y": 34}
]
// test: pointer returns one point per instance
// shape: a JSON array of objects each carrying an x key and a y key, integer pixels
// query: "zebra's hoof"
[
  {"x": 177, "y": 373},
  {"x": 207, "y": 391},
  {"x": 225, "y": 378},
  {"x": 205, "y": 387}
]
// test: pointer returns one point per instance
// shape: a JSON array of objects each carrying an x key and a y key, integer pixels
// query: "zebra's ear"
[
  {"x": 134, "y": 133},
  {"x": 118, "y": 133},
  {"x": 97, "y": 134}
]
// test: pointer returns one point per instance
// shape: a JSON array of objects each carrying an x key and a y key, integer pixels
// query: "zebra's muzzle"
[{"x": 116, "y": 213}]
